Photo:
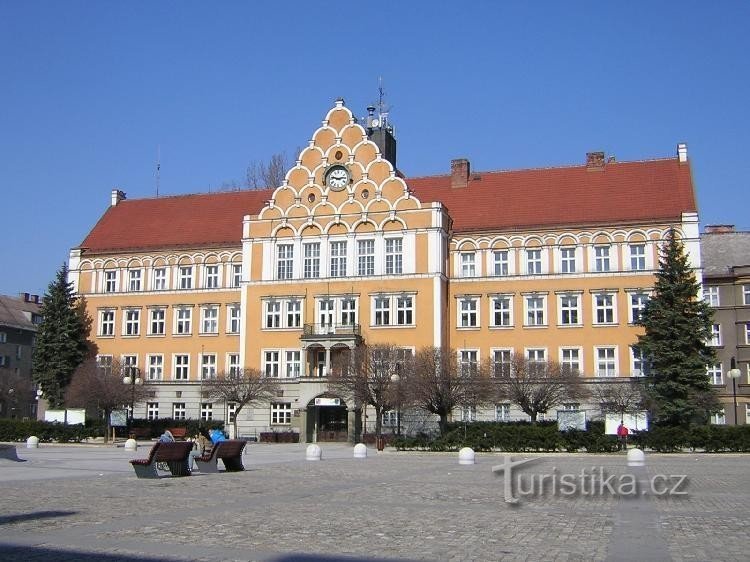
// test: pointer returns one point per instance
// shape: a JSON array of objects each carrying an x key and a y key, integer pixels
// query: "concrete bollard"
[
  {"x": 636, "y": 458},
  {"x": 313, "y": 453},
  {"x": 466, "y": 456},
  {"x": 131, "y": 445},
  {"x": 360, "y": 451},
  {"x": 32, "y": 442}
]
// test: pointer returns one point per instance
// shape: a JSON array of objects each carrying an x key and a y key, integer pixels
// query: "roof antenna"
[{"x": 158, "y": 168}]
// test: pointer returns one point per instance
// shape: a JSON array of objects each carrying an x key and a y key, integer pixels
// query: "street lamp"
[
  {"x": 396, "y": 379},
  {"x": 132, "y": 379},
  {"x": 734, "y": 373}
]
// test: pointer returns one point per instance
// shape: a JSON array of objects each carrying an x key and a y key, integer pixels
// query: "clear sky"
[{"x": 89, "y": 90}]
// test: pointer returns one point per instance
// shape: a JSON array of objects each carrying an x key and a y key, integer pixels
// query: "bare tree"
[
  {"x": 271, "y": 174},
  {"x": 242, "y": 387},
  {"x": 441, "y": 383},
  {"x": 538, "y": 386},
  {"x": 98, "y": 387},
  {"x": 620, "y": 397},
  {"x": 16, "y": 394},
  {"x": 374, "y": 376}
]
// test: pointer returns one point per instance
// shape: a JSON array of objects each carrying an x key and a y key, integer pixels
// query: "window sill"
[
  {"x": 155, "y": 335},
  {"x": 391, "y": 326},
  {"x": 208, "y": 334},
  {"x": 535, "y": 326},
  {"x": 606, "y": 325},
  {"x": 509, "y": 327},
  {"x": 566, "y": 326},
  {"x": 130, "y": 336},
  {"x": 189, "y": 334},
  {"x": 102, "y": 336},
  {"x": 468, "y": 328}
]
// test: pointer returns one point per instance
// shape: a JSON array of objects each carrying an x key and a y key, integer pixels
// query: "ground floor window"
[
  {"x": 719, "y": 418},
  {"x": 231, "y": 412},
  {"x": 469, "y": 414},
  {"x": 390, "y": 418},
  {"x": 152, "y": 410},
  {"x": 502, "y": 412},
  {"x": 178, "y": 411},
  {"x": 207, "y": 411},
  {"x": 281, "y": 413}
]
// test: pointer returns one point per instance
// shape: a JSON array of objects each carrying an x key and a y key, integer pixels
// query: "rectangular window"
[
  {"x": 208, "y": 366},
  {"x": 641, "y": 367},
  {"x": 210, "y": 320},
  {"x": 338, "y": 258},
  {"x": 104, "y": 362},
  {"x": 4, "y": 336},
  {"x": 533, "y": 262},
  {"x": 186, "y": 277},
  {"x": 178, "y": 411},
  {"x": 715, "y": 335},
  {"x": 273, "y": 314},
  {"x": 567, "y": 260},
  {"x": 183, "y": 320},
  {"x": 715, "y": 374},
  {"x": 637, "y": 257},
  {"x": 502, "y": 412},
  {"x": 326, "y": 309},
  {"x": 110, "y": 281},
  {"x": 404, "y": 311},
  {"x": 637, "y": 305},
  {"x": 468, "y": 264},
  {"x": 207, "y": 411},
  {"x": 130, "y": 365},
  {"x": 606, "y": 363},
  {"x": 236, "y": 275},
  {"x": 747, "y": 333},
  {"x": 181, "y": 367},
  {"x": 157, "y": 322},
  {"x": 537, "y": 359},
  {"x": 311, "y": 264},
  {"x": 231, "y": 411},
  {"x": 106, "y": 323},
  {"x": 284, "y": 261},
  {"x": 233, "y": 364},
  {"x": 746, "y": 295},
  {"x": 293, "y": 313},
  {"x": 468, "y": 313},
  {"x": 500, "y": 262},
  {"x": 569, "y": 310},
  {"x": 719, "y": 418},
  {"x": 160, "y": 279},
  {"x": 711, "y": 295},
  {"x": 390, "y": 418},
  {"x": 469, "y": 414},
  {"x": 394, "y": 259},
  {"x": 604, "y": 309},
  {"x": 535, "y": 311},
  {"x": 233, "y": 315},
  {"x": 501, "y": 362},
  {"x": 271, "y": 364},
  {"x": 132, "y": 323},
  {"x": 366, "y": 257},
  {"x": 601, "y": 258},
  {"x": 502, "y": 313},
  {"x": 293, "y": 363},
  {"x": 152, "y": 410},
  {"x": 211, "y": 280},
  {"x": 348, "y": 312},
  {"x": 134, "y": 280},
  {"x": 281, "y": 413},
  {"x": 155, "y": 367},
  {"x": 469, "y": 362},
  {"x": 570, "y": 360},
  {"x": 382, "y": 311}
]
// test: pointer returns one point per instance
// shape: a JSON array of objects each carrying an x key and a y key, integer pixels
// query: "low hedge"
[
  {"x": 47, "y": 432},
  {"x": 158, "y": 426},
  {"x": 523, "y": 437}
]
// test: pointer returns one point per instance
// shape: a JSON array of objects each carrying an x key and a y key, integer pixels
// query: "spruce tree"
[
  {"x": 61, "y": 340},
  {"x": 678, "y": 329}
]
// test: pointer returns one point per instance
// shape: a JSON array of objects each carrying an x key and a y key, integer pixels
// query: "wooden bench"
[
  {"x": 179, "y": 433},
  {"x": 140, "y": 432},
  {"x": 230, "y": 452},
  {"x": 176, "y": 455}
]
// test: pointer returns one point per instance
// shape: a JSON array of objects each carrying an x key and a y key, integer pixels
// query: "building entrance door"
[{"x": 327, "y": 420}]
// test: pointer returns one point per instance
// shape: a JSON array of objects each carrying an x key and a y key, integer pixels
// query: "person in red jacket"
[{"x": 622, "y": 433}]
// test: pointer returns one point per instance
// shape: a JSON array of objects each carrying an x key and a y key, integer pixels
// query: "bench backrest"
[
  {"x": 178, "y": 432},
  {"x": 229, "y": 448},
  {"x": 172, "y": 451}
]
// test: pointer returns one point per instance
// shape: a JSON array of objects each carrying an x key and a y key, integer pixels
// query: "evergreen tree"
[
  {"x": 61, "y": 344},
  {"x": 678, "y": 329}
]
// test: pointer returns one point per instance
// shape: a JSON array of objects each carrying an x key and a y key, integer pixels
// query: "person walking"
[{"x": 622, "y": 434}]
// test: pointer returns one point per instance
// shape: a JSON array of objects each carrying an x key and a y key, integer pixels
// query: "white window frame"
[
  {"x": 211, "y": 276},
  {"x": 110, "y": 281},
  {"x": 394, "y": 256},
  {"x": 716, "y": 340},
  {"x": 531, "y": 317},
  {"x": 715, "y": 373},
  {"x": 233, "y": 363},
  {"x": 207, "y": 411},
  {"x": 155, "y": 367},
  {"x": 711, "y": 295},
  {"x": 311, "y": 260},
  {"x": 637, "y": 254},
  {"x": 185, "y": 277},
  {"x": 293, "y": 313},
  {"x": 183, "y": 321},
  {"x": 234, "y": 318},
  {"x": 135, "y": 279},
  {"x": 155, "y": 322},
  {"x": 152, "y": 410},
  {"x": 602, "y": 258},
  {"x": 272, "y": 314},
  {"x": 604, "y": 306},
  {"x": 746, "y": 295},
  {"x": 348, "y": 311},
  {"x": 131, "y": 322},
  {"x": 159, "y": 279},
  {"x": 572, "y": 312},
  {"x": 366, "y": 257},
  {"x": 209, "y": 365},
  {"x": 534, "y": 260},
  {"x": 404, "y": 310},
  {"x": 502, "y": 412},
  {"x": 568, "y": 359},
  {"x": 607, "y": 361},
  {"x": 747, "y": 333},
  {"x": 638, "y": 365},
  {"x": 281, "y": 413},
  {"x": 181, "y": 366},
  {"x": 236, "y": 275},
  {"x": 106, "y": 325},
  {"x": 501, "y": 359},
  {"x": 338, "y": 258},
  {"x": 209, "y": 319},
  {"x": 271, "y": 363},
  {"x": 468, "y": 360},
  {"x": 284, "y": 260},
  {"x": 469, "y": 414},
  {"x": 719, "y": 418},
  {"x": 468, "y": 312},
  {"x": 503, "y": 313},
  {"x": 381, "y": 305},
  {"x": 467, "y": 264},
  {"x": 568, "y": 262},
  {"x": 179, "y": 412},
  {"x": 292, "y": 363},
  {"x": 636, "y": 304},
  {"x": 501, "y": 265}
]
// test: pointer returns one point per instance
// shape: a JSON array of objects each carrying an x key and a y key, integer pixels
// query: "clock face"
[{"x": 337, "y": 178}]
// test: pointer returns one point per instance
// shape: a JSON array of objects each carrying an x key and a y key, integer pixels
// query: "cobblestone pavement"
[{"x": 84, "y": 503}]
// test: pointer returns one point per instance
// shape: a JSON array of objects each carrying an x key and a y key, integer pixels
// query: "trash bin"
[{"x": 380, "y": 443}]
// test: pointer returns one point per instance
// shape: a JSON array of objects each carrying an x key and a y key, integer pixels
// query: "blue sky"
[{"x": 89, "y": 90}]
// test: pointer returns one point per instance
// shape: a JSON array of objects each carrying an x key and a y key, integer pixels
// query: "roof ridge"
[{"x": 197, "y": 194}]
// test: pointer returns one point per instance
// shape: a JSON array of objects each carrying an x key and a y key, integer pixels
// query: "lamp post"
[
  {"x": 396, "y": 379},
  {"x": 132, "y": 379},
  {"x": 734, "y": 373}
]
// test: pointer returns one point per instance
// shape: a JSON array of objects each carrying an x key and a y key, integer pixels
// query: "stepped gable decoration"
[{"x": 340, "y": 184}]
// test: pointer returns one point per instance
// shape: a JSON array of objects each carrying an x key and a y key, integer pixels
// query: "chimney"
[
  {"x": 117, "y": 196},
  {"x": 682, "y": 152},
  {"x": 24, "y": 297},
  {"x": 595, "y": 160},
  {"x": 719, "y": 228},
  {"x": 460, "y": 170}
]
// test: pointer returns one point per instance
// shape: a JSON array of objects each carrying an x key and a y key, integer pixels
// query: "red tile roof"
[{"x": 621, "y": 192}]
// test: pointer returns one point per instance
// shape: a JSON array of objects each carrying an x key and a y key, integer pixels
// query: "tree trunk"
[
  {"x": 443, "y": 424},
  {"x": 378, "y": 421}
]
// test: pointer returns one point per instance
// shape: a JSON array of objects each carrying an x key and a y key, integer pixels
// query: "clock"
[{"x": 337, "y": 177}]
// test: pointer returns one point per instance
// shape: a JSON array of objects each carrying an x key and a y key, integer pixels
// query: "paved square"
[{"x": 84, "y": 503}]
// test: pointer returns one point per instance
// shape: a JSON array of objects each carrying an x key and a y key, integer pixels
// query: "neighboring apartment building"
[
  {"x": 552, "y": 263},
  {"x": 726, "y": 288},
  {"x": 19, "y": 318}
]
